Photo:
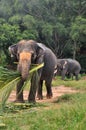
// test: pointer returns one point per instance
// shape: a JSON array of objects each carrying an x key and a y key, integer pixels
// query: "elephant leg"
[
  {"x": 63, "y": 76},
  {"x": 72, "y": 75},
  {"x": 39, "y": 93},
  {"x": 33, "y": 88},
  {"x": 19, "y": 92},
  {"x": 69, "y": 75},
  {"x": 63, "y": 73},
  {"x": 49, "y": 90},
  {"x": 76, "y": 76}
]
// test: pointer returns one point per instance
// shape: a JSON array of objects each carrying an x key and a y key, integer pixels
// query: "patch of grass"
[
  {"x": 69, "y": 116},
  {"x": 80, "y": 84},
  {"x": 17, "y": 107},
  {"x": 67, "y": 113},
  {"x": 71, "y": 98},
  {"x": 64, "y": 98}
]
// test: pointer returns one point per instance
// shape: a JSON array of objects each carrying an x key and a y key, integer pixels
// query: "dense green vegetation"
[
  {"x": 67, "y": 112},
  {"x": 60, "y": 24}
]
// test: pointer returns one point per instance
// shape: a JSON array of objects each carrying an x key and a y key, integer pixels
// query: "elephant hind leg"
[
  {"x": 49, "y": 90},
  {"x": 76, "y": 75},
  {"x": 39, "y": 92}
]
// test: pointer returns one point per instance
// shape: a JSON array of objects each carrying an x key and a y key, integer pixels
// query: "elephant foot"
[
  {"x": 31, "y": 101},
  {"x": 49, "y": 96},
  {"x": 40, "y": 97},
  {"x": 19, "y": 101}
]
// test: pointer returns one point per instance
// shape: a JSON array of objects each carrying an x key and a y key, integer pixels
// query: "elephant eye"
[{"x": 33, "y": 56}]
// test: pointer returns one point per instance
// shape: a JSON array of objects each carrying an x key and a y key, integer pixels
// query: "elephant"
[
  {"x": 68, "y": 67},
  {"x": 30, "y": 52}
]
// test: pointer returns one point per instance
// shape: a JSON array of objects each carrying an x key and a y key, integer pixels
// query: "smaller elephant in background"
[{"x": 68, "y": 67}]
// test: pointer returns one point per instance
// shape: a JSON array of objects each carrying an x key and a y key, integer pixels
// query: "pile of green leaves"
[{"x": 9, "y": 79}]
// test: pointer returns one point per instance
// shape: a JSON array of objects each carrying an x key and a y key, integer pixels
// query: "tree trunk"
[{"x": 74, "y": 50}]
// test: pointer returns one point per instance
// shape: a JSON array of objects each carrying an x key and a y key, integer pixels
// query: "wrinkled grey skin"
[
  {"x": 68, "y": 67},
  {"x": 39, "y": 54}
]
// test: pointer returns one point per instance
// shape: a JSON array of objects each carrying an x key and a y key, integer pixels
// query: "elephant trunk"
[{"x": 24, "y": 64}]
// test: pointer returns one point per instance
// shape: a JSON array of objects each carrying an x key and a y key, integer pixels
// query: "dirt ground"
[{"x": 57, "y": 91}]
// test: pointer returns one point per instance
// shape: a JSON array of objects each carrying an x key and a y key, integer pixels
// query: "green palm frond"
[
  {"x": 7, "y": 75},
  {"x": 7, "y": 89},
  {"x": 9, "y": 79}
]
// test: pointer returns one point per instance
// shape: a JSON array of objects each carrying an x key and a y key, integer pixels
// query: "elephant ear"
[
  {"x": 13, "y": 50},
  {"x": 40, "y": 49},
  {"x": 38, "y": 54}
]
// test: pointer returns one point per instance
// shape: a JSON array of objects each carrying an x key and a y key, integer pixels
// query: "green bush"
[{"x": 82, "y": 60}]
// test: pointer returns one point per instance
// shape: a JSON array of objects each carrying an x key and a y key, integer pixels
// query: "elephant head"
[
  {"x": 62, "y": 64},
  {"x": 27, "y": 52}
]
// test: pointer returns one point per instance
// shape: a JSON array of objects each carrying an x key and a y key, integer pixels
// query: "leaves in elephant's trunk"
[{"x": 9, "y": 79}]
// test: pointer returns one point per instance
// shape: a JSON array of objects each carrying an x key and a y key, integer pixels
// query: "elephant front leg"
[
  {"x": 33, "y": 88},
  {"x": 76, "y": 76},
  {"x": 63, "y": 73},
  {"x": 39, "y": 93},
  {"x": 49, "y": 90},
  {"x": 19, "y": 92}
]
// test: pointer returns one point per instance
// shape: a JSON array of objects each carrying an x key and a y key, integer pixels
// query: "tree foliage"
[{"x": 60, "y": 24}]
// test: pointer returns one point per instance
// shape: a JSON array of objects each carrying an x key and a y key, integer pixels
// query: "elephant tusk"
[{"x": 64, "y": 64}]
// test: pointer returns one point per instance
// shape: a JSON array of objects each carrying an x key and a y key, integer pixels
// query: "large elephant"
[
  {"x": 68, "y": 67},
  {"x": 28, "y": 52}
]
